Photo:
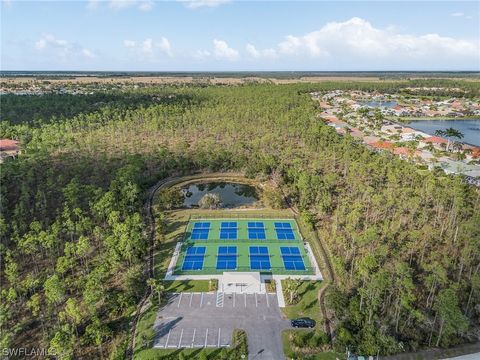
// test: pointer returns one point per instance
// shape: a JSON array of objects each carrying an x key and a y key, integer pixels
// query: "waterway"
[
  {"x": 469, "y": 128},
  {"x": 380, "y": 104}
]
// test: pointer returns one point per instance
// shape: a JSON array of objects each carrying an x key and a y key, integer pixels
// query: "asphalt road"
[{"x": 208, "y": 320}]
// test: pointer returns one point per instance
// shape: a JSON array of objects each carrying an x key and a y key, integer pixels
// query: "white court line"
[
  {"x": 219, "y": 332},
  {"x": 201, "y": 300},
  {"x": 266, "y": 296},
  {"x": 193, "y": 340},
  {"x": 180, "y": 300},
  {"x": 191, "y": 297},
  {"x": 168, "y": 337},
  {"x": 180, "y": 341},
  {"x": 206, "y": 337},
  {"x": 256, "y": 304}
]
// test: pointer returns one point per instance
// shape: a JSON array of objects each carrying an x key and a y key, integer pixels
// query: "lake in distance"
[{"x": 469, "y": 128}]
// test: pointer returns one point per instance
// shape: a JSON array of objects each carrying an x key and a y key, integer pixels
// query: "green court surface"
[{"x": 269, "y": 246}]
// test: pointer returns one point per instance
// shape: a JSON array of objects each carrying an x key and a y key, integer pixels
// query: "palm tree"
[
  {"x": 449, "y": 133},
  {"x": 156, "y": 287},
  {"x": 291, "y": 288},
  {"x": 457, "y": 146}
]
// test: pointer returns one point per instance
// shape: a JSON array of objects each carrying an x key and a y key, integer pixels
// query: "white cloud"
[
  {"x": 49, "y": 40},
  {"x": 93, "y": 4},
  {"x": 357, "y": 37},
  {"x": 88, "y": 54},
  {"x": 223, "y": 51},
  {"x": 49, "y": 43},
  {"x": 462, "y": 15},
  {"x": 142, "y": 5},
  {"x": 148, "y": 47},
  {"x": 258, "y": 54},
  {"x": 202, "y": 54},
  {"x": 165, "y": 46},
  {"x": 40, "y": 44},
  {"x": 195, "y": 4},
  {"x": 145, "y": 6},
  {"x": 129, "y": 43}
]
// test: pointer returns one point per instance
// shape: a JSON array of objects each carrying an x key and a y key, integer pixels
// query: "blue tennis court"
[
  {"x": 227, "y": 258},
  {"x": 202, "y": 225},
  {"x": 194, "y": 258},
  {"x": 228, "y": 230},
  {"x": 284, "y": 231},
  {"x": 256, "y": 231},
  {"x": 259, "y": 258},
  {"x": 292, "y": 259},
  {"x": 200, "y": 231}
]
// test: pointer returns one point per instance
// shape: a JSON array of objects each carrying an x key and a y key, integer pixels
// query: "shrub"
[
  {"x": 272, "y": 199},
  {"x": 213, "y": 285},
  {"x": 210, "y": 201},
  {"x": 170, "y": 198}
]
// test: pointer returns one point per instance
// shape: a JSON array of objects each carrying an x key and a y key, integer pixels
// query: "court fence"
[{"x": 272, "y": 271}]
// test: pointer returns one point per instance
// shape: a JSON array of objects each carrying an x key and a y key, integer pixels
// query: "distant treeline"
[{"x": 242, "y": 74}]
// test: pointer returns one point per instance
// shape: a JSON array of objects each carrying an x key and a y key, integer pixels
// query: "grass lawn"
[
  {"x": 144, "y": 342},
  {"x": 187, "y": 286},
  {"x": 315, "y": 354},
  {"x": 307, "y": 306}
]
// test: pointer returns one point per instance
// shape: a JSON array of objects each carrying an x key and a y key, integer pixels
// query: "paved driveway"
[{"x": 208, "y": 320}]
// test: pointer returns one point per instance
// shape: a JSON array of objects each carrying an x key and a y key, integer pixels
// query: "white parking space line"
[
  {"x": 206, "y": 337},
  {"x": 256, "y": 303},
  {"x": 245, "y": 298},
  {"x": 180, "y": 341},
  {"x": 191, "y": 298},
  {"x": 193, "y": 338},
  {"x": 219, "y": 332},
  {"x": 201, "y": 300},
  {"x": 168, "y": 337},
  {"x": 233, "y": 299},
  {"x": 266, "y": 296},
  {"x": 179, "y": 300}
]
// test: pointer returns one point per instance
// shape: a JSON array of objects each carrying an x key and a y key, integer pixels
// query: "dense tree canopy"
[{"x": 404, "y": 242}]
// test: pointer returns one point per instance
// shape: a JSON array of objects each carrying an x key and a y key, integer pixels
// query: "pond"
[
  {"x": 231, "y": 194},
  {"x": 380, "y": 104},
  {"x": 469, "y": 128}
]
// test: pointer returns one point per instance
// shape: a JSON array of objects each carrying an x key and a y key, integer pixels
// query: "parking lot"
[{"x": 200, "y": 320}]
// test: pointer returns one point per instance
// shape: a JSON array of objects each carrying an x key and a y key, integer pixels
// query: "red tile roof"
[
  {"x": 387, "y": 145},
  {"x": 8, "y": 145},
  {"x": 324, "y": 105},
  {"x": 402, "y": 151},
  {"x": 435, "y": 140},
  {"x": 333, "y": 119},
  {"x": 476, "y": 153}
]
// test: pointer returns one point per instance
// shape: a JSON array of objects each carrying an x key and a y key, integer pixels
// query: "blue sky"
[{"x": 223, "y": 35}]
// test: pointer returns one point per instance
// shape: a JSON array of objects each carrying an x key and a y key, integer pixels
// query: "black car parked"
[{"x": 303, "y": 323}]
